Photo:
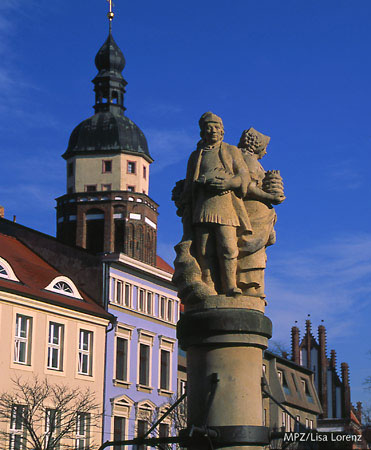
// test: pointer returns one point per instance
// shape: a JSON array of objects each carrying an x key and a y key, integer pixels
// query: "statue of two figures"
[{"x": 228, "y": 219}]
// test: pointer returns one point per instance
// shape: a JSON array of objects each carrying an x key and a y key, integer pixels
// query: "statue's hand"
[
  {"x": 224, "y": 184},
  {"x": 277, "y": 199}
]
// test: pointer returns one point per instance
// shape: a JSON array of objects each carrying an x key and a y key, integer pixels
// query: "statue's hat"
[{"x": 209, "y": 117}]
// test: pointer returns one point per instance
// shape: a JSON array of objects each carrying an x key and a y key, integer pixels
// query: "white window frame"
[
  {"x": 85, "y": 352},
  {"x": 123, "y": 331},
  {"x": 82, "y": 436},
  {"x": 51, "y": 287},
  {"x": 121, "y": 407},
  {"x": 13, "y": 431},
  {"x": 19, "y": 340},
  {"x": 166, "y": 344},
  {"x": 9, "y": 272},
  {"x": 57, "y": 418},
  {"x": 58, "y": 347},
  {"x": 146, "y": 338},
  {"x": 167, "y": 303}
]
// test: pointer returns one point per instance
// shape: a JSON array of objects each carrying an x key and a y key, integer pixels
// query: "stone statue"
[
  {"x": 223, "y": 248},
  {"x": 265, "y": 189}
]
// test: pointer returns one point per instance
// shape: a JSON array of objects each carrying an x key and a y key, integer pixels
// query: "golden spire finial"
[{"x": 110, "y": 14}]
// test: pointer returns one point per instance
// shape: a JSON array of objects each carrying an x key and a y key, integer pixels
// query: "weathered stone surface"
[{"x": 226, "y": 207}]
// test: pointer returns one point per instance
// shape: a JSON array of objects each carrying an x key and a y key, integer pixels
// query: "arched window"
[
  {"x": 6, "y": 270},
  {"x": 63, "y": 285}
]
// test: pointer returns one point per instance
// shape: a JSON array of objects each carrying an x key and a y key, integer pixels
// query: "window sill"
[
  {"x": 143, "y": 388},
  {"x": 165, "y": 392},
  {"x": 123, "y": 384}
]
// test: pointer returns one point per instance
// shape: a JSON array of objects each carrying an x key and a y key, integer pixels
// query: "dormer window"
[
  {"x": 6, "y": 271},
  {"x": 65, "y": 286}
]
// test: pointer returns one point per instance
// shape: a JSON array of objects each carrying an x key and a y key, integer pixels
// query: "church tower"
[{"x": 107, "y": 207}]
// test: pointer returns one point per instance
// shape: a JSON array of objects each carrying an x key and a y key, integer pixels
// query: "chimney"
[
  {"x": 322, "y": 370},
  {"x": 295, "y": 351},
  {"x": 308, "y": 342},
  {"x": 1, "y": 212},
  {"x": 359, "y": 411},
  {"x": 345, "y": 373},
  {"x": 346, "y": 406}
]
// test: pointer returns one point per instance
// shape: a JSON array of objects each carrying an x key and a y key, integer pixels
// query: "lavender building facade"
[{"x": 141, "y": 355}]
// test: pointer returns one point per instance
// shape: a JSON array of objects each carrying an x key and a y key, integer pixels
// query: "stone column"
[{"x": 224, "y": 339}]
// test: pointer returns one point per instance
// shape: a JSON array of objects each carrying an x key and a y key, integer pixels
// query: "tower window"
[
  {"x": 131, "y": 167},
  {"x": 131, "y": 188},
  {"x": 107, "y": 166},
  {"x": 70, "y": 169},
  {"x": 90, "y": 188},
  {"x": 145, "y": 172}
]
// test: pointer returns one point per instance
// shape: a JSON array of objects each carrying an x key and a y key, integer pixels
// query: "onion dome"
[{"x": 110, "y": 58}]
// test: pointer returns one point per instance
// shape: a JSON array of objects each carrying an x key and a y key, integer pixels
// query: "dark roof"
[
  {"x": 35, "y": 274},
  {"x": 106, "y": 132}
]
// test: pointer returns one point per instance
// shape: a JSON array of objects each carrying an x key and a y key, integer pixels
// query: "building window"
[
  {"x": 82, "y": 431},
  {"x": 264, "y": 368},
  {"x": 107, "y": 166},
  {"x": 144, "y": 364},
  {"x": 297, "y": 424},
  {"x": 306, "y": 423},
  {"x": 70, "y": 169},
  {"x": 163, "y": 431},
  {"x": 90, "y": 188},
  {"x": 3, "y": 272},
  {"x": 149, "y": 303},
  {"x": 170, "y": 310},
  {"x": 121, "y": 359},
  {"x": 141, "y": 302},
  {"x": 166, "y": 309},
  {"x": 128, "y": 290},
  {"x": 17, "y": 432},
  {"x": 119, "y": 292},
  {"x": 165, "y": 370},
  {"x": 131, "y": 188},
  {"x": 52, "y": 426},
  {"x": 131, "y": 167},
  {"x": 85, "y": 352},
  {"x": 106, "y": 187},
  {"x": 55, "y": 346},
  {"x": 165, "y": 364},
  {"x": 141, "y": 431},
  {"x": 311, "y": 424},
  {"x": 145, "y": 172},
  {"x": 162, "y": 307},
  {"x": 63, "y": 287},
  {"x": 119, "y": 426},
  {"x": 22, "y": 341}
]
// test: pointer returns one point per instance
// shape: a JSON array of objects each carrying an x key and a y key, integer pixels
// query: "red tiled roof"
[
  {"x": 35, "y": 274},
  {"x": 163, "y": 265}
]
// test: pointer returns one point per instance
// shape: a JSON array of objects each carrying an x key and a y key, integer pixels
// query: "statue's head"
[
  {"x": 254, "y": 142},
  {"x": 211, "y": 128}
]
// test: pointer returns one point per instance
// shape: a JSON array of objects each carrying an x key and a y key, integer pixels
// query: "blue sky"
[{"x": 297, "y": 71}]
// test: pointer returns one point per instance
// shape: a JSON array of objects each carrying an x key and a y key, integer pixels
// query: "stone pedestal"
[{"x": 224, "y": 338}]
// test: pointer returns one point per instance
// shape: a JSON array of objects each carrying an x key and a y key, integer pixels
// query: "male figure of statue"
[{"x": 217, "y": 180}]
